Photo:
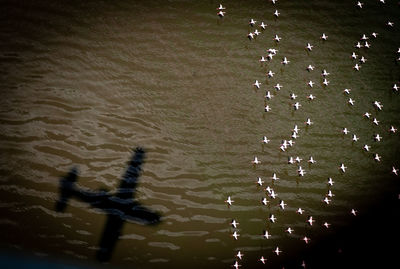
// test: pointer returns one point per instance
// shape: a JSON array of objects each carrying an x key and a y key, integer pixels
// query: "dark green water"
[{"x": 84, "y": 82}]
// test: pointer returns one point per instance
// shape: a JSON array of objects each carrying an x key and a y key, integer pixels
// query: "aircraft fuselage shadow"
[{"x": 119, "y": 206}]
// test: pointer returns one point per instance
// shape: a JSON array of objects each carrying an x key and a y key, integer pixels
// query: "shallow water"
[{"x": 85, "y": 82}]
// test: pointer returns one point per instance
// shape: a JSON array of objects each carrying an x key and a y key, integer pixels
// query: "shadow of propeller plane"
[{"x": 119, "y": 206}]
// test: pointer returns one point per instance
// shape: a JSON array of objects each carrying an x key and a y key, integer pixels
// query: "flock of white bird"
[{"x": 364, "y": 43}]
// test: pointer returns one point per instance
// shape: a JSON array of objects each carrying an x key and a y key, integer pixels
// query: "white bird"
[
  {"x": 330, "y": 181},
  {"x": 266, "y": 234},
  {"x": 327, "y": 200},
  {"x": 310, "y": 68},
  {"x": 259, "y": 181},
  {"x": 256, "y": 161},
  {"x": 257, "y": 84},
  {"x": 389, "y": 23},
  {"x": 278, "y": 87},
  {"x": 378, "y": 105},
  {"x": 229, "y": 200},
  {"x": 330, "y": 194},
  {"x": 382, "y": 1},
  {"x": 270, "y": 74},
  {"x": 375, "y": 121},
  {"x": 355, "y": 138},
  {"x": 256, "y": 32},
  {"x": 274, "y": 177},
  {"x": 345, "y": 131},
  {"x": 358, "y": 45},
  {"x": 300, "y": 211},
  {"x": 277, "y": 251},
  {"x": 377, "y": 137},
  {"x": 252, "y": 22},
  {"x": 239, "y": 255},
  {"x": 268, "y": 189},
  {"x": 262, "y": 259},
  {"x": 262, "y": 60},
  {"x": 221, "y": 13},
  {"x": 363, "y": 59},
  {"x": 234, "y": 223},
  {"x": 297, "y": 105},
  {"x": 374, "y": 34},
  {"x": 395, "y": 88},
  {"x": 377, "y": 157},
  {"x": 289, "y": 230},
  {"x": 250, "y": 35},
  {"x": 236, "y": 265},
  {"x": 298, "y": 160},
  {"x": 351, "y": 101},
  {"x": 366, "y": 147},
  {"x": 296, "y": 129},
  {"x": 277, "y": 38},
  {"x": 324, "y": 37},
  {"x": 354, "y": 212},
  {"x": 310, "y": 220},
  {"x": 267, "y": 108},
  {"x": 311, "y": 160},
  {"x": 357, "y": 67},
  {"x": 309, "y": 122},
  {"x": 364, "y": 37},
  {"x": 284, "y": 144},
  {"x": 264, "y": 201},
  {"x": 309, "y": 47},
  {"x": 354, "y": 55},
  {"x": 270, "y": 56},
  {"x": 295, "y": 135},
  {"x": 285, "y": 61},
  {"x": 306, "y": 239},
  {"x": 311, "y": 97},
  {"x": 290, "y": 160},
  {"x": 220, "y": 7},
  {"x": 272, "y": 218},
  {"x": 325, "y": 82},
  {"x": 282, "y": 204},
  {"x": 324, "y": 73},
  {"x": 359, "y": 4},
  {"x": 272, "y": 50},
  {"x": 342, "y": 168},
  {"x": 310, "y": 83},
  {"x": 265, "y": 140},
  {"x": 326, "y": 224},
  {"x": 293, "y": 96},
  {"x": 273, "y": 194},
  {"x": 392, "y": 129},
  {"x": 235, "y": 235},
  {"x": 268, "y": 95},
  {"x": 367, "y": 115},
  {"x": 263, "y": 25},
  {"x": 291, "y": 142},
  {"x": 395, "y": 171},
  {"x": 276, "y": 13},
  {"x": 274, "y": 1},
  {"x": 301, "y": 173},
  {"x": 367, "y": 45}
]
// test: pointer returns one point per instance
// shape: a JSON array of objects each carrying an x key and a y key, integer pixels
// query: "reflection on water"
[{"x": 119, "y": 206}]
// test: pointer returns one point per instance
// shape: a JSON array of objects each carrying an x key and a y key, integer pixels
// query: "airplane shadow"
[{"x": 119, "y": 206}]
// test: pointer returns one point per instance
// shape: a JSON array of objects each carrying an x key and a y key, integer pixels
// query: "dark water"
[{"x": 85, "y": 82}]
